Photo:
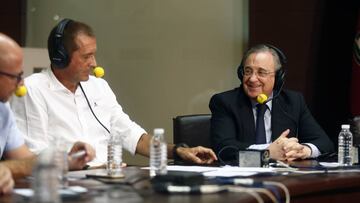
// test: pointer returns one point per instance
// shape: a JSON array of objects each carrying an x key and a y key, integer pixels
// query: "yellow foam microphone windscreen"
[
  {"x": 261, "y": 98},
  {"x": 99, "y": 71},
  {"x": 21, "y": 91}
]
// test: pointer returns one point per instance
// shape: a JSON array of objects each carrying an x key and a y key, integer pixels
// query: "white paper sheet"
[{"x": 226, "y": 171}]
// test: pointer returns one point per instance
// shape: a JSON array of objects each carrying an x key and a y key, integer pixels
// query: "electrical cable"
[
  {"x": 283, "y": 187},
  {"x": 291, "y": 118},
  {"x": 267, "y": 193},
  {"x": 220, "y": 184},
  {"x": 246, "y": 190},
  {"x": 251, "y": 183},
  {"x": 222, "y": 162},
  {"x": 255, "y": 185}
]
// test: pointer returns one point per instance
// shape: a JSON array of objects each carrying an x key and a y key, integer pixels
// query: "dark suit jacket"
[{"x": 232, "y": 122}]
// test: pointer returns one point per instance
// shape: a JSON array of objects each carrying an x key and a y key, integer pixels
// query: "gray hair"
[{"x": 264, "y": 48}]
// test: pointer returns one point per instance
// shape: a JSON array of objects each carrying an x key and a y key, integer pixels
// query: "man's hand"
[
  {"x": 276, "y": 148},
  {"x": 78, "y": 162},
  {"x": 288, "y": 149},
  {"x": 296, "y": 151},
  {"x": 6, "y": 180},
  {"x": 198, "y": 155}
]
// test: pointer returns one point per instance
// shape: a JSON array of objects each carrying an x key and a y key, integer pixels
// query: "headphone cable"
[
  {"x": 291, "y": 118},
  {"x": 87, "y": 100}
]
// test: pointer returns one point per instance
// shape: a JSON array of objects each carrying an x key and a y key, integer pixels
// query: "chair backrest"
[{"x": 194, "y": 130}]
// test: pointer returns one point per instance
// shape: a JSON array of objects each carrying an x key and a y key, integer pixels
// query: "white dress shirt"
[{"x": 50, "y": 111}]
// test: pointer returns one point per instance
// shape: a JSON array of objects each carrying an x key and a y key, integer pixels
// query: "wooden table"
[{"x": 325, "y": 187}]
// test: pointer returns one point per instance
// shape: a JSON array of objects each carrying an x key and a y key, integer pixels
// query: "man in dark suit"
[{"x": 289, "y": 130}]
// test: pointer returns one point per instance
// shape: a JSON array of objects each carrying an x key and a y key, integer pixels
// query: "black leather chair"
[{"x": 194, "y": 130}]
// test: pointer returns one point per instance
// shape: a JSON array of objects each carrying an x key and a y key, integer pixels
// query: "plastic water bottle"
[
  {"x": 114, "y": 156},
  {"x": 345, "y": 146},
  {"x": 61, "y": 161},
  {"x": 46, "y": 179},
  {"x": 158, "y": 153}
]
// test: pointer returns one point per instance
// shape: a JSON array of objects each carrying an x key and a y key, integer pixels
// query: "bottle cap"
[
  {"x": 345, "y": 126},
  {"x": 159, "y": 131}
]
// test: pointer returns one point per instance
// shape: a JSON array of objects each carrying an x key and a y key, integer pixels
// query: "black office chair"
[{"x": 194, "y": 130}]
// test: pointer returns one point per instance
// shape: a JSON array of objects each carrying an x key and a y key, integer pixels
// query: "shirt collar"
[{"x": 54, "y": 83}]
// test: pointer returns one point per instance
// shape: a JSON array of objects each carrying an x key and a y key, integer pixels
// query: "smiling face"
[
  {"x": 259, "y": 77},
  {"x": 11, "y": 67}
]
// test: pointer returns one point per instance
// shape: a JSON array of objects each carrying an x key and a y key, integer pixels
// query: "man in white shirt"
[
  {"x": 66, "y": 102},
  {"x": 19, "y": 160}
]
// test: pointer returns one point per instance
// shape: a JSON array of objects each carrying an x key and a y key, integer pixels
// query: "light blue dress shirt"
[{"x": 10, "y": 137}]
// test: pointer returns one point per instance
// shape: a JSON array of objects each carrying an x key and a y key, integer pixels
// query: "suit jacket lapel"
[
  {"x": 246, "y": 118},
  {"x": 280, "y": 118},
  {"x": 276, "y": 117}
]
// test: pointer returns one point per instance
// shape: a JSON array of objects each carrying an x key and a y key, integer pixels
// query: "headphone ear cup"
[
  {"x": 240, "y": 72},
  {"x": 279, "y": 80},
  {"x": 58, "y": 55},
  {"x": 60, "y": 58}
]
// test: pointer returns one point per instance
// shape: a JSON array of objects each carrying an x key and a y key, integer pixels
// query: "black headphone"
[
  {"x": 280, "y": 74},
  {"x": 59, "y": 57}
]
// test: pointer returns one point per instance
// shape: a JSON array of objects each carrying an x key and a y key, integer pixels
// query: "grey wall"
[{"x": 163, "y": 58}]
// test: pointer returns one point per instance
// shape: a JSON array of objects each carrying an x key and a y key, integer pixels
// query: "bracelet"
[{"x": 175, "y": 155}]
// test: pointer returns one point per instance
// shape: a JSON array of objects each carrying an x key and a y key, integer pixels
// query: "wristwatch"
[{"x": 175, "y": 155}]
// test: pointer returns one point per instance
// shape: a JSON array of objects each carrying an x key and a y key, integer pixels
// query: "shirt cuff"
[{"x": 315, "y": 152}]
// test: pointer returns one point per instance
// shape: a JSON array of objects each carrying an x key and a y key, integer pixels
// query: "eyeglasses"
[
  {"x": 18, "y": 77},
  {"x": 260, "y": 73}
]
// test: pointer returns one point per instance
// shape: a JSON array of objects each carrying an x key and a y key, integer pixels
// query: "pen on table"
[{"x": 78, "y": 154}]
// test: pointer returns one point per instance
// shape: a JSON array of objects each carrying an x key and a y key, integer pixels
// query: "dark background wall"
[
  {"x": 13, "y": 19},
  {"x": 317, "y": 37}
]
